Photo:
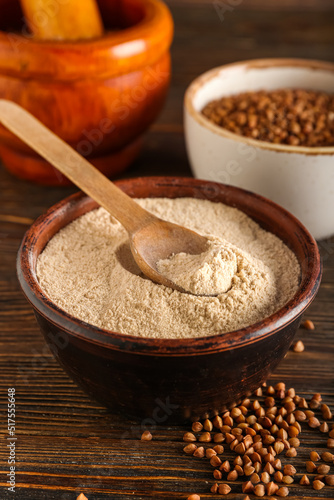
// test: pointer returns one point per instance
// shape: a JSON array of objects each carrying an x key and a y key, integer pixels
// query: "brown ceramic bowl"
[
  {"x": 174, "y": 379},
  {"x": 98, "y": 95}
]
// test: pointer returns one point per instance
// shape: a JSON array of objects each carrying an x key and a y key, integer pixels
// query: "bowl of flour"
[{"x": 146, "y": 349}]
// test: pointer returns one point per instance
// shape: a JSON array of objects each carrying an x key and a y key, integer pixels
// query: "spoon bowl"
[{"x": 165, "y": 239}]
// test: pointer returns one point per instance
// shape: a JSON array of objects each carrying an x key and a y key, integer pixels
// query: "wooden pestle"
[{"x": 63, "y": 19}]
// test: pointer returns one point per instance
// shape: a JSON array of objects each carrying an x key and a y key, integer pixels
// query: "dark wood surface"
[{"x": 66, "y": 443}]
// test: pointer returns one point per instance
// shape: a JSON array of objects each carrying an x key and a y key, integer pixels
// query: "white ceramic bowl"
[{"x": 301, "y": 179}]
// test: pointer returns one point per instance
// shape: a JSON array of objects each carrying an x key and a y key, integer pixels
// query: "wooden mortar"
[{"x": 98, "y": 95}]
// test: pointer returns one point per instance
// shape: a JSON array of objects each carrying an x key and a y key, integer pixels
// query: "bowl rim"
[
  {"x": 204, "y": 78},
  {"x": 152, "y": 346},
  {"x": 151, "y": 36}
]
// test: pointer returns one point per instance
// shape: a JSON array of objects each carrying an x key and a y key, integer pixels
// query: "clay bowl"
[
  {"x": 100, "y": 95},
  {"x": 171, "y": 379},
  {"x": 301, "y": 179}
]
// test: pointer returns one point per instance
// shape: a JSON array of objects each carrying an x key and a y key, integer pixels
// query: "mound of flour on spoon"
[{"x": 208, "y": 273}]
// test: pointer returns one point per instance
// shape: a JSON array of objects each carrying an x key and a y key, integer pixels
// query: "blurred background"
[{"x": 210, "y": 33}]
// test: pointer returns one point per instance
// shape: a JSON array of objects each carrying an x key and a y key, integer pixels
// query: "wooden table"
[{"x": 67, "y": 443}]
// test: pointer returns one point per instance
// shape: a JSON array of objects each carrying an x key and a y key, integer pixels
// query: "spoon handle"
[{"x": 57, "y": 152}]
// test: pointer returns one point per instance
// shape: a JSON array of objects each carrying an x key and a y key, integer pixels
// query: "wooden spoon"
[{"x": 151, "y": 238}]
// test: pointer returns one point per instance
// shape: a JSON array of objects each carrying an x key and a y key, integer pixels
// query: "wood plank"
[{"x": 280, "y": 5}]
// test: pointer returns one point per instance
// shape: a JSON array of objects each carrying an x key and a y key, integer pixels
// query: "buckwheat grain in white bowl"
[{"x": 298, "y": 177}]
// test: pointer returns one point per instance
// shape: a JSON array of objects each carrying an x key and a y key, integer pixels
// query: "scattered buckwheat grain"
[
  {"x": 308, "y": 324},
  {"x": 146, "y": 436},
  {"x": 298, "y": 346}
]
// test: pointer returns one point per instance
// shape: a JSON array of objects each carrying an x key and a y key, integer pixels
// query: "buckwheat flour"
[
  {"x": 88, "y": 270},
  {"x": 208, "y": 273}
]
